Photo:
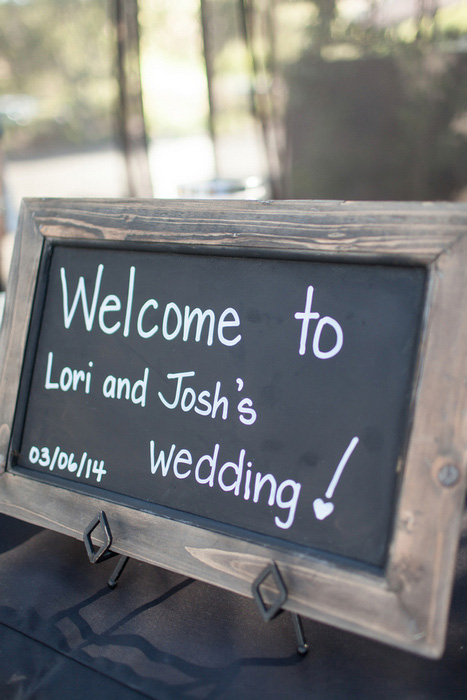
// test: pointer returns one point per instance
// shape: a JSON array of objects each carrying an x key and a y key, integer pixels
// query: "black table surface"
[{"x": 65, "y": 634}]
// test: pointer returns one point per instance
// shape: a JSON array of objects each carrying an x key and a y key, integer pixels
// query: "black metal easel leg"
[
  {"x": 122, "y": 562},
  {"x": 103, "y": 553},
  {"x": 302, "y": 644},
  {"x": 275, "y": 608}
]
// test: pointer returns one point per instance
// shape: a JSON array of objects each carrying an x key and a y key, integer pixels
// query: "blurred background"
[{"x": 315, "y": 99}]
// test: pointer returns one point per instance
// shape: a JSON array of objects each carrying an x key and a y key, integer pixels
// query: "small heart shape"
[{"x": 322, "y": 509}]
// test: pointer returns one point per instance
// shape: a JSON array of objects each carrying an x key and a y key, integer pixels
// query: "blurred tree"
[
  {"x": 131, "y": 123},
  {"x": 208, "y": 49}
]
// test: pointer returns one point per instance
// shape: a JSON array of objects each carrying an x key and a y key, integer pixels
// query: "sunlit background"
[{"x": 316, "y": 99}]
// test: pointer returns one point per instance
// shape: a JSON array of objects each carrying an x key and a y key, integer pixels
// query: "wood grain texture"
[
  {"x": 388, "y": 231},
  {"x": 406, "y": 605},
  {"x": 430, "y": 513},
  {"x": 18, "y": 306}
]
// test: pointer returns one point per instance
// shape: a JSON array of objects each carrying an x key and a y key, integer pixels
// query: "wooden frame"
[{"x": 408, "y": 604}]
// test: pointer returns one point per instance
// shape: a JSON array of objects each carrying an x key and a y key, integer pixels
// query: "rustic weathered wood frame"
[{"x": 408, "y": 604}]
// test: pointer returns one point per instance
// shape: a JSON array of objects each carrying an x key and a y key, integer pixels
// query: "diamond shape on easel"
[
  {"x": 269, "y": 612},
  {"x": 96, "y": 555}
]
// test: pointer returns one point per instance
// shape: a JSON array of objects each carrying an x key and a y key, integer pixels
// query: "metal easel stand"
[
  {"x": 103, "y": 553},
  {"x": 269, "y": 612}
]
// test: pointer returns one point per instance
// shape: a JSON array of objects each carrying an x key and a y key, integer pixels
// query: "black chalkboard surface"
[
  {"x": 267, "y": 396},
  {"x": 270, "y": 395}
]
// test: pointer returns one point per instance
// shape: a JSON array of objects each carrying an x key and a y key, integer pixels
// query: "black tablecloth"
[{"x": 64, "y": 634}]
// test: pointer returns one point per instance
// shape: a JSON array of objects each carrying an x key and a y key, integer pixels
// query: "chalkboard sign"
[
  {"x": 269, "y": 395},
  {"x": 240, "y": 384}
]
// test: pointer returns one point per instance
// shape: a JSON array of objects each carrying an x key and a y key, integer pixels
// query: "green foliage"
[{"x": 61, "y": 53}]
